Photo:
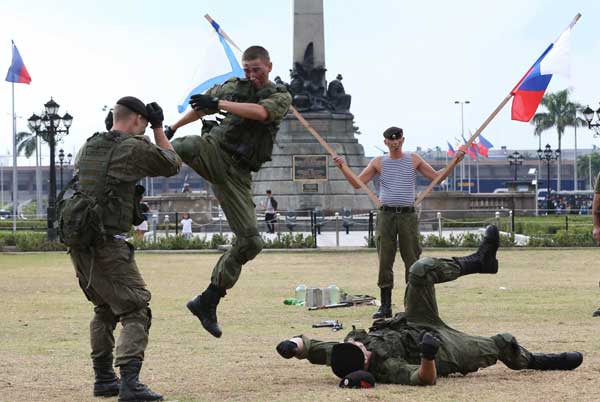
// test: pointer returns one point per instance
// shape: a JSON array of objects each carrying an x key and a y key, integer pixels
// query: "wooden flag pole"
[
  {"x": 344, "y": 167},
  {"x": 209, "y": 18},
  {"x": 455, "y": 161}
]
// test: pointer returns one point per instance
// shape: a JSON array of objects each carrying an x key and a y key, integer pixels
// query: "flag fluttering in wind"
[
  {"x": 483, "y": 146},
  {"x": 451, "y": 151},
  {"x": 528, "y": 93},
  {"x": 219, "y": 63},
  {"x": 17, "y": 72},
  {"x": 471, "y": 150}
]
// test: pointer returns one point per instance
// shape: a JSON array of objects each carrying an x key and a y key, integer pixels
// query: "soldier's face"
[
  {"x": 394, "y": 145},
  {"x": 257, "y": 71}
]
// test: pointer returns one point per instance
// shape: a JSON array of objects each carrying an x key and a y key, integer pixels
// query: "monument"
[{"x": 301, "y": 174}]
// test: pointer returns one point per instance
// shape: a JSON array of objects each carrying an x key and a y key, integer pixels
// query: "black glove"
[
  {"x": 155, "y": 115},
  {"x": 358, "y": 379},
  {"x": 287, "y": 349},
  {"x": 202, "y": 102},
  {"x": 429, "y": 345},
  {"x": 108, "y": 120},
  {"x": 169, "y": 132}
]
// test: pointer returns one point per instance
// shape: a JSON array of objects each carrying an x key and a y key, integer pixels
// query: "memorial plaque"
[
  {"x": 310, "y": 167},
  {"x": 310, "y": 187}
]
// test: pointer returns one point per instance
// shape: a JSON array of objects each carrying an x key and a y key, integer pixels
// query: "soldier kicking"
[{"x": 416, "y": 347}]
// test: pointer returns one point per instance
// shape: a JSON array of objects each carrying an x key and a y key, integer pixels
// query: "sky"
[{"x": 404, "y": 62}]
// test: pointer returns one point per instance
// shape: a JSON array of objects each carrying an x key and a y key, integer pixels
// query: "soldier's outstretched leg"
[
  {"x": 516, "y": 357},
  {"x": 484, "y": 260}
]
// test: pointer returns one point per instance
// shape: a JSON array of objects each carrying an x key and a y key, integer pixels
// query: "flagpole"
[
  {"x": 455, "y": 160},
  {"x": 15, "y": 187}
]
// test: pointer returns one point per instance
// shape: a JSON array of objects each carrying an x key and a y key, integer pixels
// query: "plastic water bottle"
[
  {"x": 301, "y": 293},
  {"x": 334, "y": 294}
]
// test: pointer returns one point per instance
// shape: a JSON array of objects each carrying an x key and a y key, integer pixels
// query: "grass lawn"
[{"x": 544, "y": 297}]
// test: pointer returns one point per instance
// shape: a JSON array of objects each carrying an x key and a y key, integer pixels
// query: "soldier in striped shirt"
[{"x": 397, "y": 225}]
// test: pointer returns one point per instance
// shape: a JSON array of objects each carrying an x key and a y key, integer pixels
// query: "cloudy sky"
[{"x": 403, "y": 62}]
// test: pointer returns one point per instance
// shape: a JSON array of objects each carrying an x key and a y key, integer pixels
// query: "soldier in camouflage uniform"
[
  {"x": 415, "y": 347},
  {"x": 107, "y": 272},
  {"x": 596, "y": 215},
  {"x": 225, "y": 155}
]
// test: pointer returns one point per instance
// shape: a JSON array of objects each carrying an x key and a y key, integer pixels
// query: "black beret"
[
  {"x": 358, "y": 379},
  {"x": 346, "y": 358},
  {"x": 134, "y": 104},
  {"x": 393, "y": 133}
]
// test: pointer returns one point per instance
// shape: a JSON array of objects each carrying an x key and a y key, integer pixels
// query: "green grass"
[{"x": 544, "y": 297}]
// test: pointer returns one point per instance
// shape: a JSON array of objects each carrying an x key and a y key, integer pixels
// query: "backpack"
[{"x": 80, "y": 223}]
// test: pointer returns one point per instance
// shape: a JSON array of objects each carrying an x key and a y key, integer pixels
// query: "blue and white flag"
[{"x": 219, "y": 63}]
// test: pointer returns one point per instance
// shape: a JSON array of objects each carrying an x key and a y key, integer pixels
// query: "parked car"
[{"x": 4, "y": 214}]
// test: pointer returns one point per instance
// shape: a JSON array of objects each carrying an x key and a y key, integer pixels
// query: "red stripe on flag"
[{"x": 525, "y": 103}]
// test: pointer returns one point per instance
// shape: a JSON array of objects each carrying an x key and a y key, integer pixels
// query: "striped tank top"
[{"x": 397, "y": 181}]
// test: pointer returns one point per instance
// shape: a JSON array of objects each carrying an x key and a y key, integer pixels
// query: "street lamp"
[
  {"x": 48, "y": 127},
  {"x": 547, "y": 156},
  {"x": 588, "y": 113},
  {"x": 462, "y": 132},
  {"x": 61, "y": 163},
  {"x": 515, "y": 159}
]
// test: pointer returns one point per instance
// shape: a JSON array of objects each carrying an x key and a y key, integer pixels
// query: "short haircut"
[
  {"x": 122, "y": 113},
  {"x": 268, "y": 191},
  {"x": 256, "y": 52}
]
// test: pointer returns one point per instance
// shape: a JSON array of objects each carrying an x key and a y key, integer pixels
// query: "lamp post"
[
  {"x": 515, "y": 159},
  {"x": 462, "y": 132},
  {"x": 48, "y": 126},
  {"x": 547, "y": 156},
  {"x": 61, "y": 163},
  {"x": 588, "y": 114}
]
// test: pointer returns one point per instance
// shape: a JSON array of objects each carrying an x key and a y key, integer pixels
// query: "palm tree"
[
  {"x": 561, "y": 112},
  {"x": 26, "y": 143}
]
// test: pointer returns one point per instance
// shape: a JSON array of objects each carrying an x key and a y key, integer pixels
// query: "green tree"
[
  {"x": 26, "y": 143},
  {"x": 585, "y": 162},
  {"x": 560, "y": 113}
]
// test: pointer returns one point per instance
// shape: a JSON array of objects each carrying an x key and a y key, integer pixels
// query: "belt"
[{"x": 398, "y": 210}]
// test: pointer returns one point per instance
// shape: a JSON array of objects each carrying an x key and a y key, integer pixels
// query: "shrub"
[{"x": 289, "y": 240}]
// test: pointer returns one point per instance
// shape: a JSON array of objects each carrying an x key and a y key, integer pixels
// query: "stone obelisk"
[{"x": 301, "y": 174}]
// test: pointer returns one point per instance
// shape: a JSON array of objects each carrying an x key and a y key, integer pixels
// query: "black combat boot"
[
  {"x": 484, "y": 260},
  {"x": 563, "y": 361},
  {"x": 596, "y": 313},
  {"x": 204, "y": 307},
  {"x": 132, "y": 390},
  {"x": 106, "y": 382},
  {"x": 385, "y": 310}
]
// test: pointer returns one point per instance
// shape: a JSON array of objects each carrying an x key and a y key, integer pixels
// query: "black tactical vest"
[
  {"x": 250, "y": 141},
  {"x": 118, "y": 210}
]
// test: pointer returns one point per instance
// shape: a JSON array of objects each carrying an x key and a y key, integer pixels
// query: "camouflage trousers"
[
  {"x": 116, "y": 288},
  {"x": 396, "y": 230},
  {"x": 459, "y": 352},
  {"x": 232, "y": 185}
]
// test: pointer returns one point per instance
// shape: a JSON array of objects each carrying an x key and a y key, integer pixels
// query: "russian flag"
[
  {"x": 17, "y": 72},
  {"x": 528, "y": 93},
  {"x": 483, "y": 146},
  {"x": 472, "y": 150},
  {"x": 451, "y": 151}
]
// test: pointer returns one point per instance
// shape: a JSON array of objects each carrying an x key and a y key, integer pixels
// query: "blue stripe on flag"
[{"x": 236, "y": 71}]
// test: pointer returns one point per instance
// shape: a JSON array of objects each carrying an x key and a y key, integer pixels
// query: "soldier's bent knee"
[
  {"x": 505, "y": 341},
  {"x": 417, "y": 274},
  {"x": 249, "y": 247}
]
